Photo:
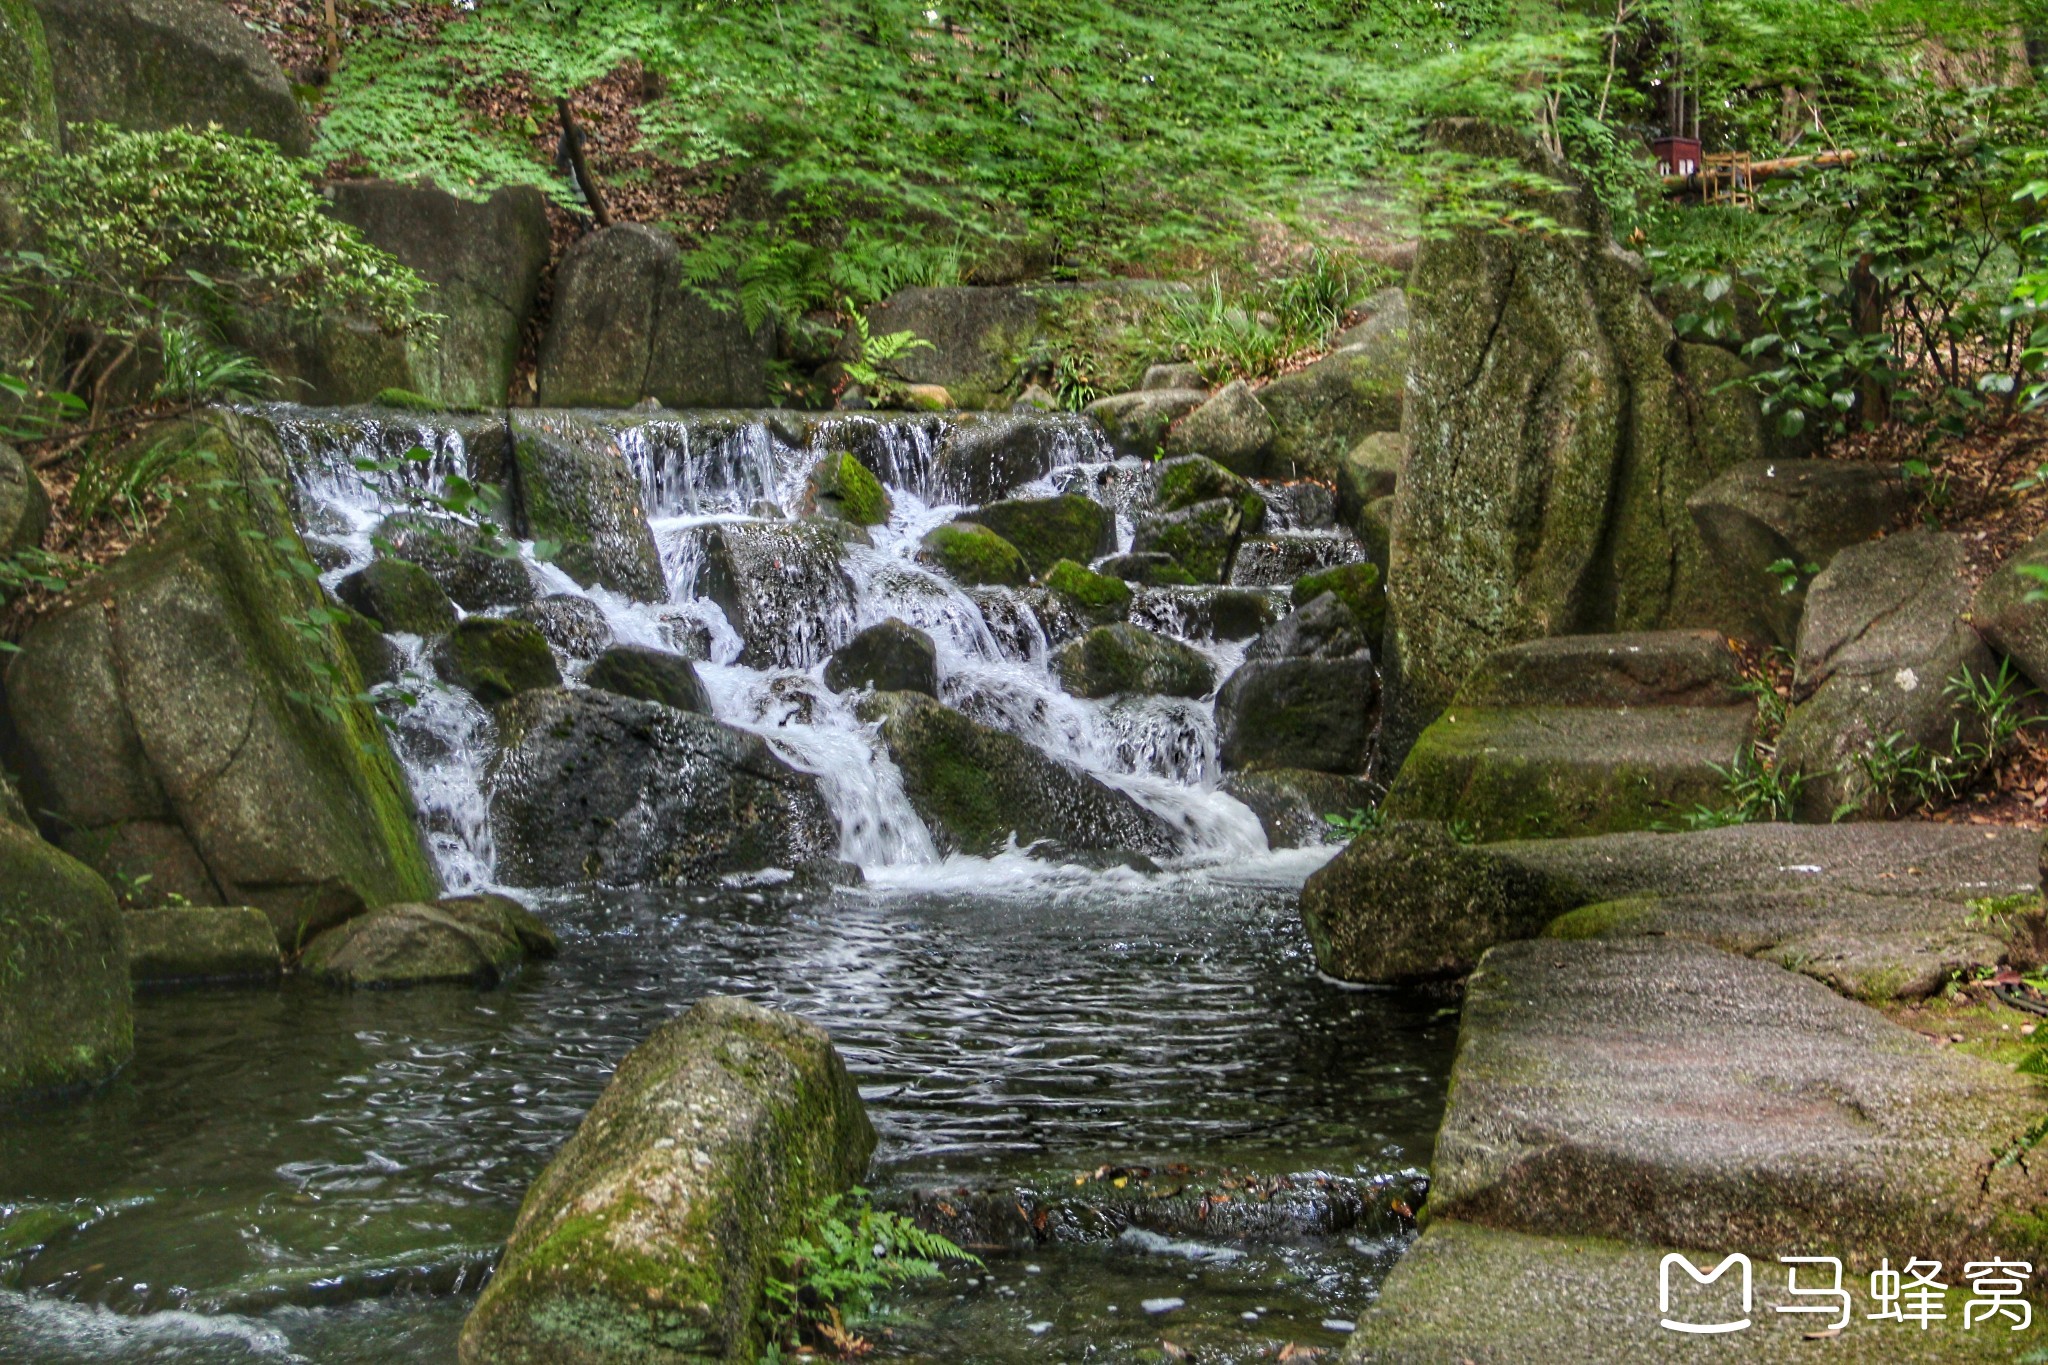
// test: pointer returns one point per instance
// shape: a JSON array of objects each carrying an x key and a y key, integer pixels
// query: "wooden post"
[{"x": 585, "y": 181}]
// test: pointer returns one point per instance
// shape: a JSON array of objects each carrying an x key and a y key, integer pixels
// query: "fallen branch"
[
  {"x": 1760, "y": 170},
  {"x": 572, "y": 141}
]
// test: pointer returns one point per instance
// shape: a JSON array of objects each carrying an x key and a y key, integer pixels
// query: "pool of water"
[{"x": 300, "y": 1174}]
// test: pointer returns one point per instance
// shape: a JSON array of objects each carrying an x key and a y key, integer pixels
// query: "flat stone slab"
[
  {"x": 190, "y": 944},
  {"x": 1409, "y": 902},
  {"x": 1669, "y": 1093},
  {"x": 1871, "y": 948},
  {"x": 1481, "y": 1296}
]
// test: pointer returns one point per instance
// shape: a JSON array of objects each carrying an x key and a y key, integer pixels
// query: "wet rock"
[
  {"x": 575, "y": 625},
  {"x": 495, "y": 659},
  {"x": 650, "y": 675},
  {"x": 1323, "y": 410},
  {"x": 194, "y": 944},
  {"x": 889, "y": 656},
  {"x": 24, "y": 506},
  {"x": 1291, "y": 803},
  {"x": 576, "y": 490},
  {"x": 627, "y": 326},
  {"x": 2009, "y": 623},
  {"x": 842, "y": 487},
  {"x": 460, "y": 560},
  {"x": 1883, "y": 636},
  {"x": 375, "y": 657},
  {"x": 1192, "y": 479},
  {"x": 1047, "y": 530},
  {"x": 1721, "y": 1102},
  {"x": 64, "y": 1014},
  {"x": 1207, "y": 613},
  {"x": 975, "y": 556},
  {"x": 986, "y": 456},
  {"x": 1177, "y": 375},
  {"x": 976, "y": 788},
  {"x": 782, "y": 585},
  {"x": 1231, "y": 428},
  {"x": 1303, "y": 697},
  {"x": 1135, "y": 423},
  {"x": 1152, "y": 568},
  {"x": 594, "y": 787},
  {"x": 1201, "y": 538},
  {"x": 1094, "y": 598},
  {"x": 466, "y": 940},
  {"x": 1278, "y": 559},
  {"x": 650, "y": 1234},
  {"x": 1800, "y": 512},
  {"x": 1357, "y": 586},
  {"x": 1410, "y": 901},
  {"x": 170, "y": 693},
  {"x": 147, "y": 65},
  {"x": 1302, "y": 505},
  {"x": 399, "y": 596},
  {"x": 1124, "y": 658}
]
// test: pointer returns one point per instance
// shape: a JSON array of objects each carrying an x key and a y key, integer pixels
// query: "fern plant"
[
  {"x": 829, "y": 1278},
  {"x": 874, "y": 368}
]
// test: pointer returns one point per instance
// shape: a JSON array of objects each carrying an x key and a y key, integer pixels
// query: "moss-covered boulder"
[
  {"x": 978, "y": 788},
  {"x": 889, "y": 656},
  {"x": 594, "y": 787},
  {"x": 189, "y": 945},
  {"x": 28, "y": 102},
  {"x": 650, "y": 1235},
  {"x": 1202, "y": 538},
  {"x": 1188, "y": 480},
  {"x": 1149, "y": 568},
  {"x": 154, "y": 64},
  {"x": 478, "y": 575},
  {"x": 195, "y": 688},
  {"x": 1293, "y": 804},
  {"x": 1123, "y": 658},
  {"x": 1357, "y": 586},
  {"x": 1369, "y": 471},
  {"x": 64, "y": 1016},
  {"x": 1232, "y": 428},
  {"x": 24, "y": 506},
  {"x": 495, "y": 659},
  {"x": 575, "y": 625},
  {"x": 650, "y": 675},
  {"x": 463, "y": 940},
  {"x": 1096, "y": 598},
  {"x": 627, "y": 326},
  {"x": 1304, "y": 696},
  {"x": 1135, "y": 424},
  {"x": 576, "y": 490},
  {"x": 975, "y": 556},
  {"x": 1047, "y": 530},
  {"x": 399, "y": 596},
  {"x": 377, "y": 659},
  {"x": 1321, "y": 411},
  {"x": 842, "y": 487}
]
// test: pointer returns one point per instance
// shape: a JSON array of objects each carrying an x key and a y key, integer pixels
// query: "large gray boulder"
[
  {"x": 651, "y": 1234},
  {"x": 2005, "y": 617},
  {"x": 1885, "y": 633},
  {"x": 1304, "y": 696},
  {"x": 1135, "y": 424},
  {"x": 28, "y": 103},
  {"x": 1554, "y": 429},
  {"x": 975, "y": 335},
  {"x": 482, "y": 261},
  {"x": 1321, "y": 411},
  {"x": 24, "y": 506},
  {"x": 594, "y": 787},
  {"x": 1232, "y": 428},
  {"x": 463, "y": 940},
  {"x": 627, "y": 326},
  {"x": 1410, "y": 902},
  {"x": 576, "y": 490},
  {"x": 167, "y": 706},
  {"x": 1796, "y": 513},
  {"x": 147, "y": 65},
  {"x": 782, "y": 585},
  {"x": 1670, "y": 1093},
  {"x": 64, "y": 1015},
  {"x": 976, "y": 788},
  {"x": 1576, "y": 735}
]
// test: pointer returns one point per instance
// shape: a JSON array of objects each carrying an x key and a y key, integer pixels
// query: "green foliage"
[
  {"x": 1250, "y": 332},
  {"x": 1789, "y": 573},
  {"x": 874, "y": 368},
  {"x": 1995, "y": 708},
  {"x": 1355, "y": 822},
  {"x": 829, "y": 1278},
  {"x": 1756, "y": 787}
]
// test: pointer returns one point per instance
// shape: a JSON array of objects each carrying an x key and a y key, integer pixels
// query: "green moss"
[
  {"x": 1197, "y": 478},
  {"x": 497, "y": 659},
  {"x": 976, "y": 556},
  {"x": 1202, "y": 540},
  {"x": 861, "y": 495},
  {"x": 1357, "y": 586},
  {"x": 27, "y": 100},
  {"x": 1047, "y": 530},
  {"x": 64, "y": 1015},
  {"x": 408, "y": 401},
  {"x": 1094, "y": 596},
  {"x": 1607, "y": 919},
  {"x": 399, "y": 595}
]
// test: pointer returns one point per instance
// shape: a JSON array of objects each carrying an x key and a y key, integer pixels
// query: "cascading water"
[{"x": 702, "y": 473}]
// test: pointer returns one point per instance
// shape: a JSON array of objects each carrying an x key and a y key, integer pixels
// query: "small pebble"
[
  {"x": 1339, "y": 1325},
  {"x": 1038, "y": 1329},
  {"x": 1158, "y": 1306}
]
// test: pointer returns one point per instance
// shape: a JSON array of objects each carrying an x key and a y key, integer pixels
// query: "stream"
[{"x": 1129, "y": 1090}]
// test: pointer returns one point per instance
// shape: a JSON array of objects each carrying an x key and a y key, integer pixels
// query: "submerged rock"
[
  {"x": 1125, "y": 658},
  {"x": 888, "y": 656},
  {"x": 399, "y": 596},
  {"x": 593, "y": 787},
  {"x": 650, "y": 675},
  {"x": 64, "y": 1014},
  {"x": 495, "y": 659},
  {"x": 1047, "y": 530},
  {"x": 975, "y": 556},
  {"x": 649, "y": 1235},
  {"x": 463, "y": 940},
  {"x": 193, "y": 944},
  {"x": 976, "y": 788}
]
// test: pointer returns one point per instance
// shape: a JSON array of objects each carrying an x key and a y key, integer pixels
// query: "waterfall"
[{"x": 702, "y": 474}]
